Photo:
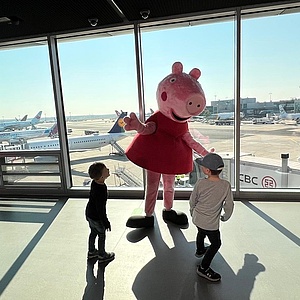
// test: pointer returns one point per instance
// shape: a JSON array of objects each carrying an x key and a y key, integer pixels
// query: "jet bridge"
[{"x": 128, "y": 177}]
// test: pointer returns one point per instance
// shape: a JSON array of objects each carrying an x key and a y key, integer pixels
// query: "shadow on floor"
[
  {"x": 94, "y": 282},
  {"x": 172, "y": 273},
  {"x": 29, "y": 217}
]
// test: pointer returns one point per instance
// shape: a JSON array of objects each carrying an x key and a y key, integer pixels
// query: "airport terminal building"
[
  {"x": 251, "y": 108},
  {"x": 72, "y": 71}
]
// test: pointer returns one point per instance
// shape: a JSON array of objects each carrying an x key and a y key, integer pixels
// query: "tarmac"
[{"x": 263, "y": 141}]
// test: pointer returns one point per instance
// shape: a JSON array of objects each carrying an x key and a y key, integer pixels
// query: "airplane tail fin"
[
  {"x": 53, "y": 130},
  {"x": 118, "y": 126},
  {"x": 118, "y": 113},
  {"x": 37, "y": 118},
  {"x": 24, "y": 118},
  {"x": 282, "y": 112}
]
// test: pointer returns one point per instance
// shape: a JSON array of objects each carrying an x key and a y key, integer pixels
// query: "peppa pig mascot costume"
[{"x": 163, "y": 145}]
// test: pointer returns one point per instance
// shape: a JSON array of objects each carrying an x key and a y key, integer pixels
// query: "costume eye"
[{"x": 172, "y": 80}]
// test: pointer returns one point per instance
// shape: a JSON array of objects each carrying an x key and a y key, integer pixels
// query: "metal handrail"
[{"x": 44, "y": 159}]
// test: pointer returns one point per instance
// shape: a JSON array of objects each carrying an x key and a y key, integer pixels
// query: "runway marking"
[{"x": 295, "y": 141}]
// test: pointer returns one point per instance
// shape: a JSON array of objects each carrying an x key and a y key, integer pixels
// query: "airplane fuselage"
[
  {"x": 77, "y": 143},
  {"x": 18, "y": 125},
  {"x": 15, "y": 125},
  {"x": 14, "y": 136},
  {"x": 227, "y": 116},
  {"x": 81, "y": 143}
]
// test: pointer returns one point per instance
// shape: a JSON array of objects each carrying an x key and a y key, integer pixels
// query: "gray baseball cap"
[{"x": 211, "y": 161}]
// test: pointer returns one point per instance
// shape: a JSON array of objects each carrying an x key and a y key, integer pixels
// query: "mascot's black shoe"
[
  {"x": 140, "y": 222},
  {"x": 178, "y": 218}
]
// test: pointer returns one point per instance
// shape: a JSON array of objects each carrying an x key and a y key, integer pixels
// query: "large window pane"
[
  {"x": 99, "y": 82},
  {"x": 270, "y": 75},
  {"x": 211, "y": 49},
  {"x": 27, "y": 103},
  {"x": 25, "y": 88}
]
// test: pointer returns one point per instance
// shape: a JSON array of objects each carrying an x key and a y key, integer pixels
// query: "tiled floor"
[{"x": 43, "y": 247}]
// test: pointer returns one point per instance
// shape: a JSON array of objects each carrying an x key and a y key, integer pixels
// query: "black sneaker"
[
  {"x": 208, "y": 274},
  {"x": 93, "y": 254},
  {"x": 108, "y": 256},
  {"x": 199, "y": 254}
]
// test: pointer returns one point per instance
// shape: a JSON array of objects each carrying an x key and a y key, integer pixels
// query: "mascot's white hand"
[{"x": 133, "y": 123}]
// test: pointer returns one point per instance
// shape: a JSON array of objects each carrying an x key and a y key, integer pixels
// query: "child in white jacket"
[{"x": 210, "y": 197}]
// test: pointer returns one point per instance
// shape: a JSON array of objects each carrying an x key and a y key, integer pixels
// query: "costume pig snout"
[{"x": 195, "y": 104}]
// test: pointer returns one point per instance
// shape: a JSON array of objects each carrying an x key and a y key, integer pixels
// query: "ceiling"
[{"x": 45, "y": 17}]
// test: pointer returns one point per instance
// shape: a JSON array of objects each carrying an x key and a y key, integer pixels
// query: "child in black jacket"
[{"x": 96, "y": 212}]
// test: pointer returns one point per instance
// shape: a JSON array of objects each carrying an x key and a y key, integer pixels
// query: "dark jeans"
[
  {"x": 97, "y": 229},
  {"x": 215, "y": 244}
]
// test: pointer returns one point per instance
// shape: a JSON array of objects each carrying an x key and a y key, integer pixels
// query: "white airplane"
[
  {"x": 226, "y": 118},
  {"x": 86, "y": 142},
  {"x": 227, "y": 115},
  {"x": 17, "y": 125},
  {"x": 197, "y": 118},
  {"x": 285, "y": 116},
  {"x": 20, "y": 136}
]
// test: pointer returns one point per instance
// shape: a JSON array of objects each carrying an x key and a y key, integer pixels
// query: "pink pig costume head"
[
  {"x": 163, "y": 145},
  {"x": 179, "y": 95}
]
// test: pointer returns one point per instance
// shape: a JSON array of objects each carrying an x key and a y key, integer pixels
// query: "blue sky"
[{"x": 98, "y": 75}]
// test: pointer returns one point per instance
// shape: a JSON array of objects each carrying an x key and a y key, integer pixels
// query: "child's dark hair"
[
  {"x": 95, "y": 170},
  {"x": 215, "y": 172}
]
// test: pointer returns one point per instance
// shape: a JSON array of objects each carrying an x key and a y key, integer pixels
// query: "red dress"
[{"x": 164, "y": 151}]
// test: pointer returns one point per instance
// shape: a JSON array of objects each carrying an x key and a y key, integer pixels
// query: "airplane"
[
  {"x": 15, "y": 125},
  {"x": 20, "y": 136},
  {"x": 226, "y": 118},
  {"x": 285, "y": 116},
  {"x": 197, "y": 119},
  {"x": 86, "y": 142},
  {"x": 227, "y": 115}
]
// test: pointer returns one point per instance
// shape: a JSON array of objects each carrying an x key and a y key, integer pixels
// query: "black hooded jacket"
[{"x": 96, "y": 206}]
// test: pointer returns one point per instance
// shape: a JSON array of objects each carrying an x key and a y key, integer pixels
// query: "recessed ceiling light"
[
  {"x": 10, "y": 20},
  {"x": 5, "y": 20}
]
